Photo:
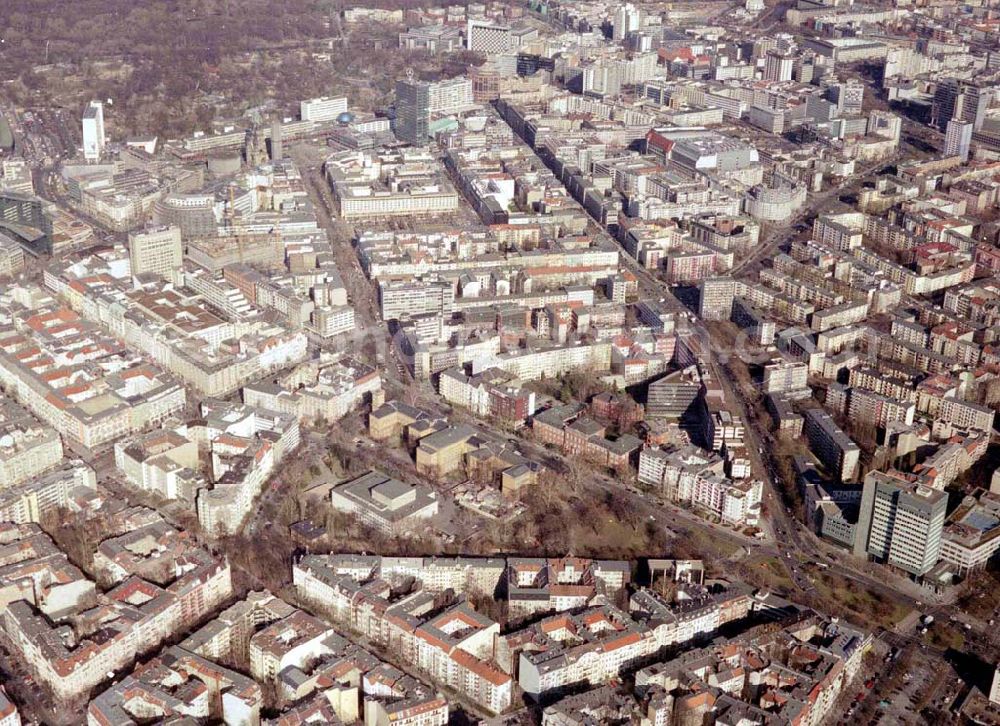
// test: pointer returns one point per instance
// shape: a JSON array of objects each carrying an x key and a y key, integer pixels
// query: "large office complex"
[
  {"x": 956, "y": 99},
  {"x": 487, "y": 37},
  {"x": 900, "y": 523},
  {"x": 418, "y": 102},
  {"x": 322, "y": 109},
  {"x": 156, "y": 250}
]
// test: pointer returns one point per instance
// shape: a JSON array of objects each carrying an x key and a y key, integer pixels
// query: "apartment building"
[
  {"x": 883, "y": 383},
  {"x": 327, "y": 578},
  {"x": 152, "y": 688},
  {"x": 243, "y": 445},
  {"x": 70, "y": 486},
  {"x": 775, "y": 199},
  {"x": 156, "y": 552},
  {"x": 592, "y": 646},
  {"x": 842, "y": 232},
  {"x": 491, "y": 394},
  {"x": 452, "y": 644},
  {"x": 716, "y": 298},
  {"x": 692, "y": 266},
  {"x": 786, "y": 377},
  {"x": 26, "y": 448},
  {"x": 164, "y": 461},
  {"x": 698, "y": 477},
  {"x": 795, "y": 286},
  {"x": 839, "y": 339},
  {"x": 837, "y": 316},
  {"x": 227, "y": 637},
  {"x": 965, "y": 415},
  {"x": 953, "y": 457},
  {"x": 538, "y": 585},
  {"x": 736, "y": 233},
  {"x": 694, "y": 613},
  {"x": 788, "y": 422},
  {"x": 315, "y": 674},
  {"x": 758, "y": 327},
  {"x": 433, "y": 352},
  {"x": 317, "y": 392},
  {"x": 724, "y": 428},
  {"x": 711, "y": 680},
  {"x": 290, "y": 642},
  {"x": 781, "y": 305},
  {"x": 567, "y": 428},
  {"x": 455, "y": 648},
  {"x": 865, "y": 407},
  {"x": 600, "y": 705},
  {"x": 138, "y": 614},
  {"x": 831, "y": 445},
  {"x": 92, "y": 400}
]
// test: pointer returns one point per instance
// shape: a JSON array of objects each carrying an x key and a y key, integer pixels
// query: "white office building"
[
  {"x": 778, "y": 66},
  {"x": 93, "y": 131},
  {"x": 900, "y": 523},
  {"x": 485, "y": 36},
  {"x": 156, "y": 250},
  {"x": 626, "y": 20},
  {"x": 958, "y": 138},
  {"x": 322, "y": 109}
]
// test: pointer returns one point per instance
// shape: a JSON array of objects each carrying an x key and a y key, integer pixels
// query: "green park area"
[{"x": 6, "y": 137}]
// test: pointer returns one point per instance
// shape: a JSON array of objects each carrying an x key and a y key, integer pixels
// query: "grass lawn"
[
  {"x": 868, "y": 606},
  {"x": 711, "y": 547},
  {"x": 942, "y": 635},
  {"x": 771, "y": 571}
]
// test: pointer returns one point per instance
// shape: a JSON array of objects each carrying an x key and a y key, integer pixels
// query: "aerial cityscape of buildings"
[{"x": 641, "y": 366}]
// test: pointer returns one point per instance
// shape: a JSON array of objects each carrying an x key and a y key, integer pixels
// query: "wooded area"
[{"x": 173, "y": 67}]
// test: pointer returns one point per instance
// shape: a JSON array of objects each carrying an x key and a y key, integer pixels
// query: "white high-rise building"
[
  {"x": 417, "y": 102},
  {"x": 958, "y": 138},
  {"x": 156, "y": 250},
  {"x": 626, "y": 20},
  {"x": 484, "y": 36},
  {"x": 778, "y": 66},
  {"x": 900, "y": 523},
  {"x": 995, "y": 687},
  {"x": 322, "y": 109},
  {"x": 93, "y": 131}
]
